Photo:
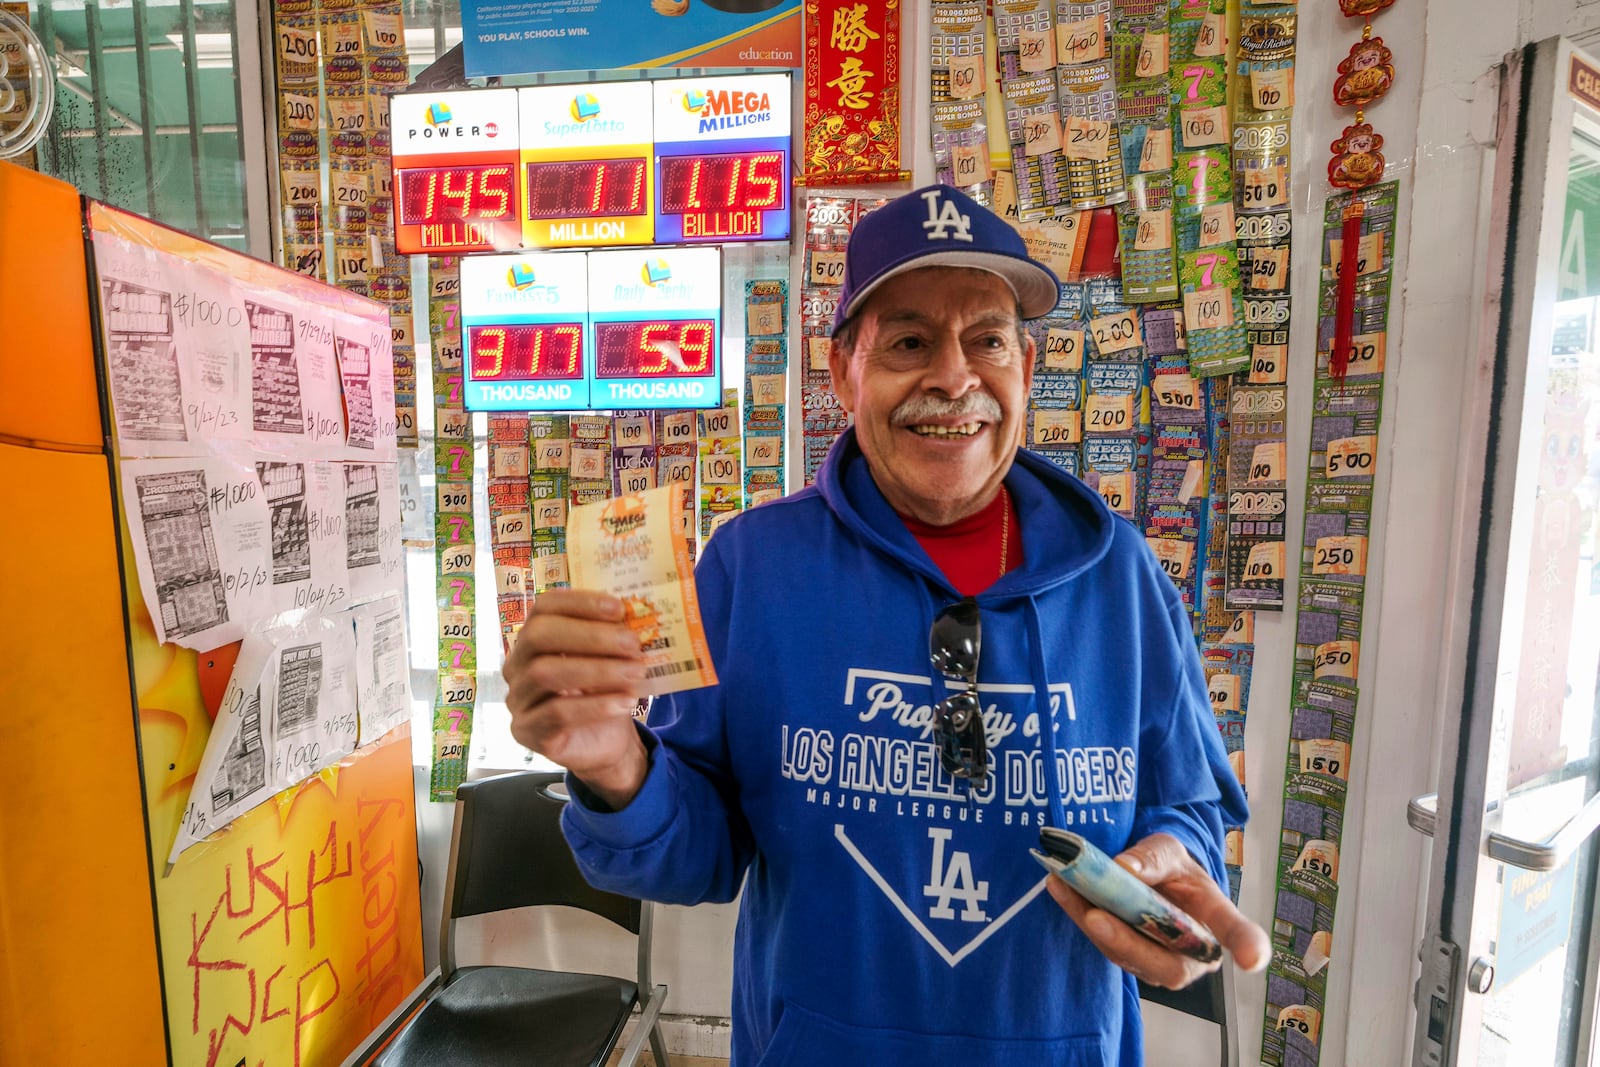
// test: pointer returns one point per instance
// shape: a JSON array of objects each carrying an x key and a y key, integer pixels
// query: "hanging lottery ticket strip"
[
  {"x": 830, "y": 219},
  {"x": 550, "y": 451},
  {"x": 766, "y": 368},
  {"x": 455, "y": 539},
  {"x": 337, "y": 63},
  {"x": 633, "y": 452},
  {"x": 1263, "y": 99},
  {"x": 1135, "y": 376},
  {"x": 959, "y": 80},
  {"x": 678, "y": 457},
  {"x": 721, "y": 455},
  {"x": 510, "y": 521},
  {"x": 1333, "y": 567}
]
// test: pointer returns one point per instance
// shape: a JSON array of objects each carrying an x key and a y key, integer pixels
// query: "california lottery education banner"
[{"x": 531, "y": 36}]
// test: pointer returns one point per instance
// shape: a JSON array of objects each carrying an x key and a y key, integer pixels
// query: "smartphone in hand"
[{"x": 1107, "y": 884}]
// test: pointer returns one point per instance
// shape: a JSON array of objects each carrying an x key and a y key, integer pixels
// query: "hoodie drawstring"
[{"x": 1047, "y": 722}]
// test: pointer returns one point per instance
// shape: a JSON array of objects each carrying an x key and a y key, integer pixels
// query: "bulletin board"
[{"x": 252, "y": 411}]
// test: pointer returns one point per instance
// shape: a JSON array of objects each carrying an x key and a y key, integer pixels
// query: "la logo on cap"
[{"x": 941, "y": 220}]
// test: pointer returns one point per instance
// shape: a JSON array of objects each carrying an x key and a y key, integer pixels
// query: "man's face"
[{"x": 938, "y": 383}]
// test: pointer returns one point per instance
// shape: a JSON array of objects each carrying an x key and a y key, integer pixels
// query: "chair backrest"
[
  {"x": 507, "y": 851},
  {"x": 1210, "y": 998}
]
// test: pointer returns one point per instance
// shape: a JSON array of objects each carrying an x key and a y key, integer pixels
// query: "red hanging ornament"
[
  {"x": 1365, "y": 75},
  {"x": 1363, "y": 9},
  {"x": 1344, "y": 313},
  {"x": 1357, "y": 157}
]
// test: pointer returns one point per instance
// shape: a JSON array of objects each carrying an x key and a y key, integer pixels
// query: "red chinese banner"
[{"x": 852, "y": 93}]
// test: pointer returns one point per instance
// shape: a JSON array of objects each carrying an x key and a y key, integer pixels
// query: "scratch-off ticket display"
[
  {"x": 721, "y": 449},
  {"x": 829, "y": 223},
  {"x": 511, "y": 521},
  {"x": 549, "y": 489},
  {"x": 455, "y": 543},
  {"x": 766, "y": 365},
  {"x": 1328, "y": 632}
]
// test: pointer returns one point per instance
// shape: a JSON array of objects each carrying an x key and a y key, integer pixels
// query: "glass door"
[{"x": 1508, "y": 959}]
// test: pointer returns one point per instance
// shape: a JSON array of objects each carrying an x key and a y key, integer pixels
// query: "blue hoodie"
[{"x": 891, "y": 915}]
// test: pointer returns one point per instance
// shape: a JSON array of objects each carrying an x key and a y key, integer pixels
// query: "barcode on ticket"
[{"x": 662, "y": 669}]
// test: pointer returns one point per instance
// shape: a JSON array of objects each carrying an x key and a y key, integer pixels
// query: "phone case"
[{"x": 1106, "y": 884}]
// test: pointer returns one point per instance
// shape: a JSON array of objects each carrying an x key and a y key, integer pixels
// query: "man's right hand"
[{"x": 575, "y": 675}]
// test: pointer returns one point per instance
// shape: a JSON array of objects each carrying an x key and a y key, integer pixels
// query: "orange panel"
[
  {"x": 78, "y": 977},
  {"x": 47, "y": 383}
]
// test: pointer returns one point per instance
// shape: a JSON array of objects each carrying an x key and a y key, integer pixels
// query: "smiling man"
[{"x": 944, "y": 645}]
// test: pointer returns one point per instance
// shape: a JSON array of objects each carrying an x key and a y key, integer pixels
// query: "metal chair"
[
  {"x": 1210, "y": 998},
  {"x": 507, "y": 851}
]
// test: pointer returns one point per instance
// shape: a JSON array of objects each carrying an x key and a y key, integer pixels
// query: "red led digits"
[
  {"x": 526, "y": 352},
  {"x": 440, "y": 194},
  {"x": 586, "y": 189},
  {"x": 488, "y": 351},
  {"x": 741, "y": 182},
  {"x": 680, "y": 348}
]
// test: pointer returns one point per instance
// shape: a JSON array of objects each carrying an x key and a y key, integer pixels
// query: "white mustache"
[{"x": 928, "y": 407}]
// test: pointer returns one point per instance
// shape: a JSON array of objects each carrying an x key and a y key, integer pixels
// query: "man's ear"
[
  {"x": 839, "y": 369},
  {"x": 1030, "y": 353}
]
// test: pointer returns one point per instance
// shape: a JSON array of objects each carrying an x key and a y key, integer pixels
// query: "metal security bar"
[{"x": 149, "y": 112}]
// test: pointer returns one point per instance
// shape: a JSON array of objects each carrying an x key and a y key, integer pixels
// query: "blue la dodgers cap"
[{"x": 940, "y": 226}]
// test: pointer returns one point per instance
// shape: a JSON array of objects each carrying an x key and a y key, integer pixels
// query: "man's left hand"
[{"x": 1160, "y": 860}]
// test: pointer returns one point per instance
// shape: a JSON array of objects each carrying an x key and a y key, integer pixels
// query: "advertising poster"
[{"x": 529, "y": 36}]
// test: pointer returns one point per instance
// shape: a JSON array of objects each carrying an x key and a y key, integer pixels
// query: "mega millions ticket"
[{"x": 633, "y": 547}]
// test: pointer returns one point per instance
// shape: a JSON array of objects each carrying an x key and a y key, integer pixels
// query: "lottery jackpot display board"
[
  {"x": 457, "y": 181},
  {"x": 586, "y": 164},
  {"x": 566, "y": 331},
  {"x": 722, "y": 159},
  {"x": 681, "y": 160}
]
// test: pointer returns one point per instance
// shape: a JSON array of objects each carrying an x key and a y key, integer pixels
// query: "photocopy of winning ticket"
[{"x": 633, "y": 547}]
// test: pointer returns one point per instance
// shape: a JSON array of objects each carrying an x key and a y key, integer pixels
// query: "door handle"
[
  {"x": 1552, "y": 851},
  {"x": 1423, "y": 812}
]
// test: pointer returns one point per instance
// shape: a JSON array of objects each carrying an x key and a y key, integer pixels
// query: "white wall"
[{"x": 1436, "y": 123}]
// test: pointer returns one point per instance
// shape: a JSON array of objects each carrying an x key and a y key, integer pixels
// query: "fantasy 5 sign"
[
  {"x": 635, "y": 328},
  {"x": 618, "y": 163}
]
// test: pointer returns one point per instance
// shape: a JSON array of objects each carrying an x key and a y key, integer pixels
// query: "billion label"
[{"x": 722, "y": 224}]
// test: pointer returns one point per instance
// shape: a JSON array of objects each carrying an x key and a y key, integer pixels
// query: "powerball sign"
[{"x": 456, "y": 182}]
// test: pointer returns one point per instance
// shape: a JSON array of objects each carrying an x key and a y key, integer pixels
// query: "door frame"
[{"x": 1500, "y": 456}]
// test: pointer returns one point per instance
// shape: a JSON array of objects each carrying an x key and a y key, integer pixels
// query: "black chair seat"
[
  {"x": 506, "y": 852},
  {"x": 492, "y": 1015}
]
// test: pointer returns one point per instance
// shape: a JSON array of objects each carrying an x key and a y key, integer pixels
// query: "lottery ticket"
[
  {"x": 957, "y": 70},
  {"x": 455, "y": 535},
  {"x": 1090, "y": 140},
  {"x": 633, "y": 547},
  {"x": 1034, "y": 130}
]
